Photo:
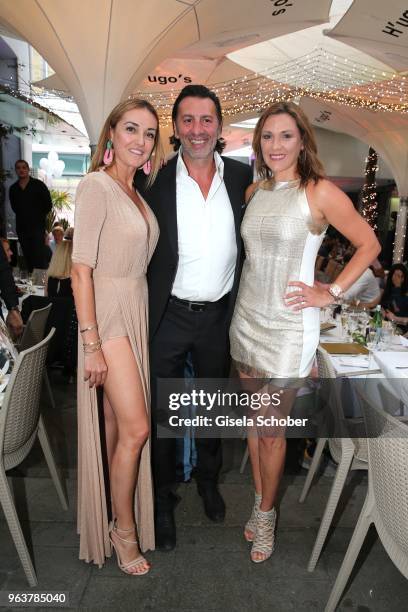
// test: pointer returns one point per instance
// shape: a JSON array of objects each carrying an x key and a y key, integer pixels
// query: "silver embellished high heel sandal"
[
  {"x": 250, "y": 527},
  {"x": 264, "y": 541},
  {"x": 135, "y": 563}
]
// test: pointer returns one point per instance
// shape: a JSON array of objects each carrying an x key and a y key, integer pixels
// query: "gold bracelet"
[
  {"x": 92, "y": 347},
  {"x": 82, "y": 331},
  {"x": 94, "y": 350},
  {"x": 92, "y": 343}
]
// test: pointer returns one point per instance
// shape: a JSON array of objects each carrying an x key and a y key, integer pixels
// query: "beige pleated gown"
[{"x": 112, "y": 237}]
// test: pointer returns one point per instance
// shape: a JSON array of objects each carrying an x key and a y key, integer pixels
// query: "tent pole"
[{"x": 400, "y": 231}]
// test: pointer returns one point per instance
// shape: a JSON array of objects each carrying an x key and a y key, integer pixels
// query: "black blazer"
[{"x": 161, "y": 197}]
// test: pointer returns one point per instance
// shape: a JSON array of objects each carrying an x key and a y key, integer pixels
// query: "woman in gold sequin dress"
[
  {"x": 115, "y": 236},
  {"x": 275, "y": 328}
]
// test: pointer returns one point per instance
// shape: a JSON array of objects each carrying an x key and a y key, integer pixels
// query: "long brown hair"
[
  {"x": 309, "y": 166},
  {"x": 114, "y": 117}
]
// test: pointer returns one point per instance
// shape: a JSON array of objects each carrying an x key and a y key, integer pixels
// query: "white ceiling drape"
[
  {"x": 386, "y": 132},
  {"x": 377, "y": 28},
  {"x": 103, "y": 49}
]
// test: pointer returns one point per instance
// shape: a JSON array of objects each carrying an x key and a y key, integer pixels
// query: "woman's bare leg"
[
  {"x": 267, "y": 452},
  {"x": 111, "y": 435},
  {"x": 253, "y": 451},
  {"x": 252, "y": 440},
  {"x": 272, "y": 452},
  {"x": 124, "y": 391}
]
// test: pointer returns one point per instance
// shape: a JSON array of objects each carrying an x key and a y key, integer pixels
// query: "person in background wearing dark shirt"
[
  {"x": 394, "y": 300},
  {"x": 9, "y": 296},
  {"x": 31, "y": 202}
]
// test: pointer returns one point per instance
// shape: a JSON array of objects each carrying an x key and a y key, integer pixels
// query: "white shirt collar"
[{"x": 182, "y": 168}]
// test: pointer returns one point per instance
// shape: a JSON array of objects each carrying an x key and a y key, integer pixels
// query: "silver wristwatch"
[{"x": 336, "y": 291}]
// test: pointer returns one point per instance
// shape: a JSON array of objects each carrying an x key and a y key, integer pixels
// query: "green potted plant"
[{"x": 61, "y": 201}]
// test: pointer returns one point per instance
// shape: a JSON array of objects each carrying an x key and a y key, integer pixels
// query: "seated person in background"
[
  {"x": 394, "y": 298},
  {"x": 57, "y": 237},
  {"x": 326, "y": 246},
  {"x": 379, "y": 273},
  {"x": 365, "y": 291},
  {"x": 7, "y": 249},
  {"x": 8, "y": 293},
  {"x": 58, "y": 282}
]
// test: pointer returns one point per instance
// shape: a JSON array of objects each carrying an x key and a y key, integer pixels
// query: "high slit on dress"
[{"x": 114, "y": 238}]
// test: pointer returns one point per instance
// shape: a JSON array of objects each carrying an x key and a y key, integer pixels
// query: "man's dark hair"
[
  {"x": 197, "y": 91},
  {"x": 21, "y": 161}
]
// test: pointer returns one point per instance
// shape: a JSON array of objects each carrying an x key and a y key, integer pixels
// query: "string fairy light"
[
  {"x": 400, "y": 231},
  {"x": 18, "y": 95},
  {"x": 368, "y": 205},
  {"x": 320, "y": 75}
]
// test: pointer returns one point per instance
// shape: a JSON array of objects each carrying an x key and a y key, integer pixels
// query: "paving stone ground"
[{"x": 210, "y": 569}]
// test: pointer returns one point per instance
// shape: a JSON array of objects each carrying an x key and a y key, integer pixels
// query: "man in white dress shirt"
[
  {"x": 198, "y": 199},
  {"x": 365, "y": 290}
]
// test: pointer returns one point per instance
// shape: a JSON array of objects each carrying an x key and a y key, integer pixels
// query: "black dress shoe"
[
  {"x": 214, "y": 505},
  {"x": 165, "y": 529}
]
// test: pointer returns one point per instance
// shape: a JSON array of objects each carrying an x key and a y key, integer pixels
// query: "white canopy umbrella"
[
  {"x": 377, "y": 28},
  {"x": 387, "y": 133},
  {"x": 102, "y": 49},
  {"x": 174, "y": 73},
  {"x": 279, "y": 51}
]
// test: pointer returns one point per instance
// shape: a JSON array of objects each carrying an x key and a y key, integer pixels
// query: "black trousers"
[
  {"x": 205, "y": 336},
  {"x": 33, "y": 247}
]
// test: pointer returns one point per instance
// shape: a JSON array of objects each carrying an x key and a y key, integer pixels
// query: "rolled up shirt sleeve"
[{"x": 90, "y": 216}]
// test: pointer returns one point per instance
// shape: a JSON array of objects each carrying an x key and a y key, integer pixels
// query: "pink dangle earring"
[
  {"x": 108, "y": 155},
  {"x": 147, "y": 167}
]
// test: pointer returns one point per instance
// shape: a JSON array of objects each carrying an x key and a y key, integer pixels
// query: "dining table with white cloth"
[{"x": 386, "y": 369}]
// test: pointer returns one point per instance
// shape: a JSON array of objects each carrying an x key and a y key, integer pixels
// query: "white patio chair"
[
  {"x": 34, "y": 331},
  {"x": 386, "y": 504},
  {"x": 20, "y": 424},
  {"x": 348, "y": 453}
]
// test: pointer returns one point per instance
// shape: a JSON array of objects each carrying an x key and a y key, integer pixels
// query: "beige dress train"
[{"x": 112, "y": 237}]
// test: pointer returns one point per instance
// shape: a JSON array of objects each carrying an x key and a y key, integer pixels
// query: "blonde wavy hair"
[
  {"x": 114, "y": 117},
  {"x": 60, "y": 264},
  {"x": 309, "y": 166}
]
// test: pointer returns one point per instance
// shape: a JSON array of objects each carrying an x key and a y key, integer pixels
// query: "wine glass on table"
[
  {"x": 352, "y": 324},
  {"x": 344, "y": 321},
  {"x": 373, "y": 337},
  {"x": 387, "y": 333}
]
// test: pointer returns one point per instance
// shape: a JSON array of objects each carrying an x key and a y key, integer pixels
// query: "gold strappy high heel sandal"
[
  {"x": 251, "y": 524},
  {"x": 264, "y": 541},
  {"x": 135, "y": 563}
]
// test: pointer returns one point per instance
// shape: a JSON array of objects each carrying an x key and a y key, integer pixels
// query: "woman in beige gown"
[{"x": 115, "y": 236}]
